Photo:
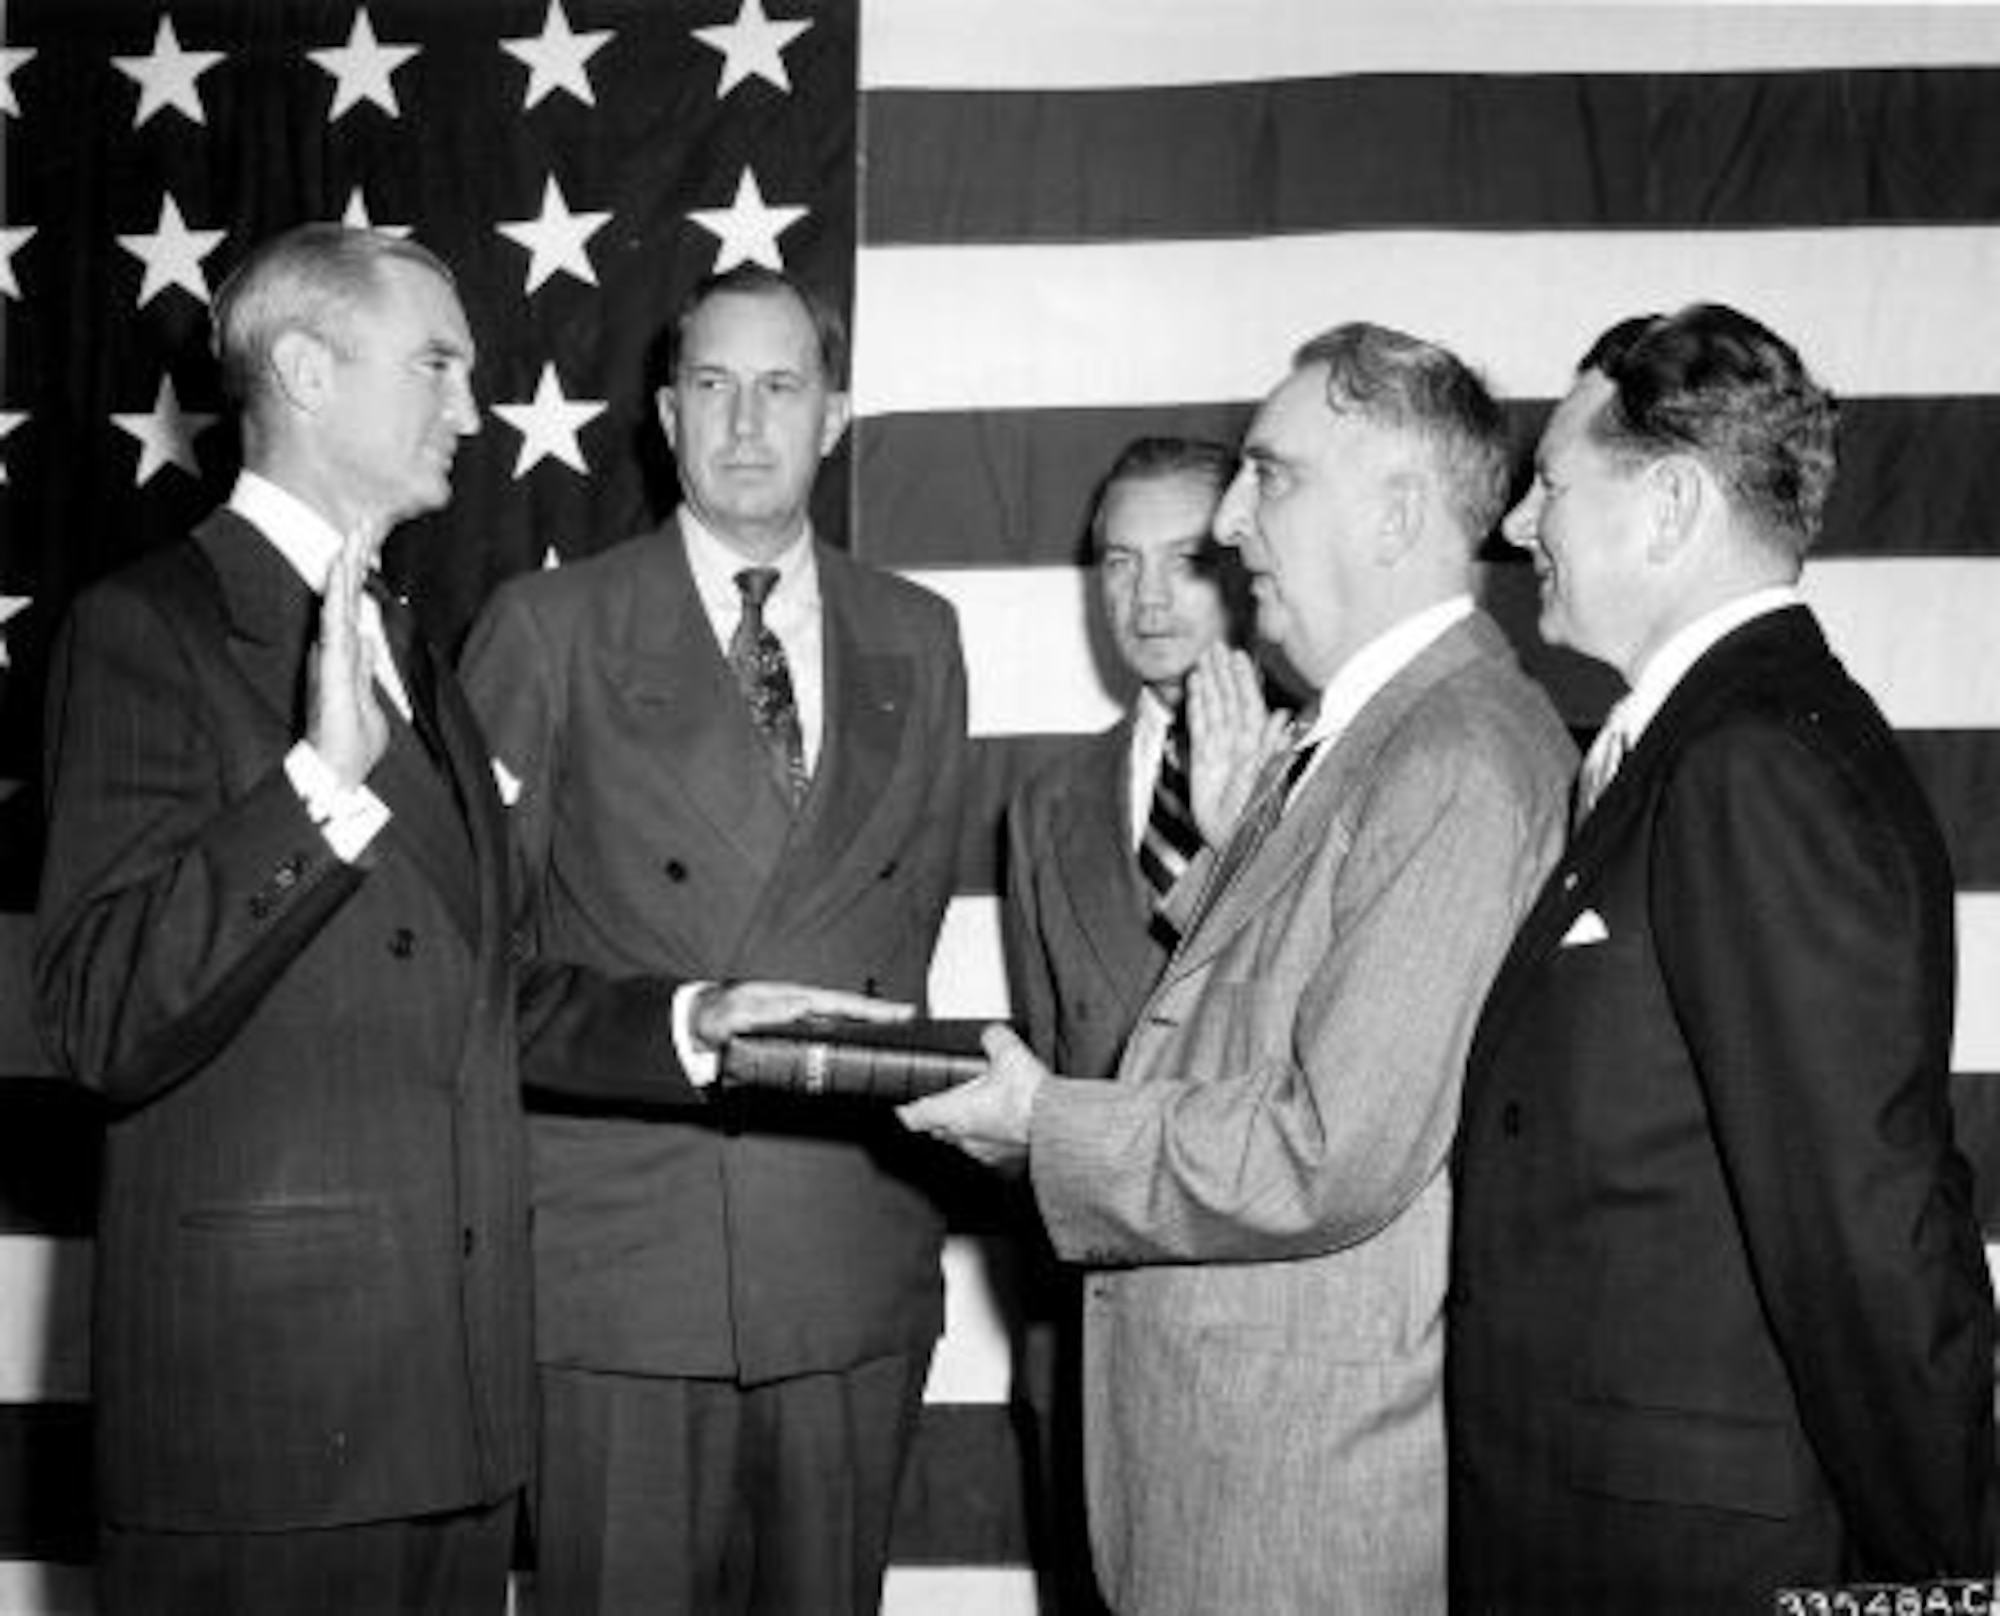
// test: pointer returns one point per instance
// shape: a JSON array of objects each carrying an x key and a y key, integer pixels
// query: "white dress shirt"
[
  {"x": 791, "y": 611},
  {"x": 349, "y": 818}
]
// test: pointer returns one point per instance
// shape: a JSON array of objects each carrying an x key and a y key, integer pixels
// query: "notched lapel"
[{"x": 1096, "y": 866}]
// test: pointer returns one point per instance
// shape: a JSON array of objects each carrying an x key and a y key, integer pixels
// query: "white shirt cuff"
[
  {"x": 700, "y": 1064},
  {"x": 349, "y": 817}
]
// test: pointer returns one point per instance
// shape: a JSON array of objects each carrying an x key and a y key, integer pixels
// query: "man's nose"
[
  {"x": 463, "y": 410},
  {"x": 1519, "y": 526},
  {"x": 1232, "y": 516}
]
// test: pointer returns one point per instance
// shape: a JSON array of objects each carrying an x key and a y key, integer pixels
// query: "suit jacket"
[
  {"x": 742, "y": 1238},
  {"x": 1263, "y": 1190},
  {"x": 1082, "y": 954},
  {"x": 312, "y": 1260},
  {"x": 1722, "y": 1320}
]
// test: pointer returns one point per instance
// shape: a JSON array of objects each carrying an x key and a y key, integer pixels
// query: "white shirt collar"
[
  {"x": 715, "y": 566},
  {"x": 1364, "y": 674},
  {"x": 299, "y": 533},
  {"x": 1667, "y": 666}
]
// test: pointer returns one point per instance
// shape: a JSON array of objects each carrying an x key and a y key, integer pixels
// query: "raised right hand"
[{"x": 344, "y": 720}]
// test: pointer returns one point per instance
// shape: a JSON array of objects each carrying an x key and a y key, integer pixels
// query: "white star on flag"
[
  {"x": 556, "y": 58},
  {"x": 752, "y": 45},
  {"x": 165, "y": 434},
  {"x": 11, "y": 606},
  {"x": 556, "y": 238},
  {"x": 355, "y": 217},
  {"x": 9, "y": 419},
  {"x": 361, "y": 68},
  {"x": 12, "y": 240},
  {"x": 11, "y": 57},
  {"x": 167, "y": 77},
  {"x": 748, "y": 229},
  {"x": 549, "y": 423},
  {"x": 172, "y": 253}
]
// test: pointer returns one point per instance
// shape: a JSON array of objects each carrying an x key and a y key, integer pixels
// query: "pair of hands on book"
[{"x": 987, "y": 1117}]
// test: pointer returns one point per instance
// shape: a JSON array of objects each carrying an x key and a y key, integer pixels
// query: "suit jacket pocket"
[{"x": 1686, "y": 1456}]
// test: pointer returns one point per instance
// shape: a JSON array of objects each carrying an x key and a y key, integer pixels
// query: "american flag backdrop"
[{"x": 1057, "y": 225}]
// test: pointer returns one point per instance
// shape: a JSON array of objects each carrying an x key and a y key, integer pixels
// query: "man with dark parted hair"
[
  {"x": 1259, "y": 1201},
  {"x": 739, "y": 752},
  {"x": 1722, "y": 1323},
  {"x": 1102, "y": 832},
  {"x": 1096, "y": 838}
]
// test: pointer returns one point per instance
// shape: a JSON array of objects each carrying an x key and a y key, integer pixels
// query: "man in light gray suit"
[{"x": 1261, "y": 1196}]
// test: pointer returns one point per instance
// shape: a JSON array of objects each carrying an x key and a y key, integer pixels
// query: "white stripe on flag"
[
  {"x": 45, "y": 1324},
  {"x": 960, "y": 1591},
  {"x": 1917, "y": 632},
  {"x": 1081, "y": 325},
  {"x": 974, "y": 1362},
  {"x": 1976, "y": 1044},
  {"x": 1031, "y": 44},
  {"x": 969, "y": 969}
]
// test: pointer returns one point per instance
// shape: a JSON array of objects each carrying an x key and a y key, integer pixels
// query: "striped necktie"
[
  {"x": 1170, "y": 838},
  {"x": 765, "y": 678}
]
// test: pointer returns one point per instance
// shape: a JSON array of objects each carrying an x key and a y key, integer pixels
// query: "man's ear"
[
  {"x": 838, "y": 406},
  {"x": 1404, "y": 506},
  {"x": 302, "y": 367},
  {"x": 1680, "y": 494},
  {"x": 669, "y": 416}
]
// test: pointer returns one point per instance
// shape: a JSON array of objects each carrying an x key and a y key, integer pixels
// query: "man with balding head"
[
  {"x": 1722, "y": 1323},
  {"x": 1260, "y": 1199}
]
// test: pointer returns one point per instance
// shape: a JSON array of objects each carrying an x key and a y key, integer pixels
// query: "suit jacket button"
[
  {"x": 466, "y": 1241},
  {"x": 260, "y": 906},
  {"x": 1510, "y": 1119},
  {"x": 402, "y": 942},
  {"x": 675, "y": 870},
  {"x": 287, "y": 874}
]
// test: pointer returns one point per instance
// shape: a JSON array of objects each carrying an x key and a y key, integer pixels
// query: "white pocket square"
[
  {"x": 508, "y": 782},
  {"x": 1588, "y": 927}
]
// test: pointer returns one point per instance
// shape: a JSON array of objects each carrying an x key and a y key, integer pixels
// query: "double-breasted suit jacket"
[
  {"x": 1721, "y": 1319},
  {"x": 1081, "y": 951},
  {"x": 1262, "y": 1192},
  {"x": 737, "y": 1239},
  {"x": 312, "y": 1255}
]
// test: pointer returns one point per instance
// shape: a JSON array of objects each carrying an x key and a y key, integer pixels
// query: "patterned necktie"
[
  {"x": 765, "y": 678},
  {"x": 1600, "y": 763},
  {"x": 1171, "y": 837}
]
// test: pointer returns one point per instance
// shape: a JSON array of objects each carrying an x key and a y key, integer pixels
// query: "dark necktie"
[
  {"x": 399, "y": 628},
  {"x": 1171, "y": 837},
  {"x": 765, "y": 678}
]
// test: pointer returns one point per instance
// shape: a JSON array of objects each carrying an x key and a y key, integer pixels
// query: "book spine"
[{"x": 807, "y": 1066}]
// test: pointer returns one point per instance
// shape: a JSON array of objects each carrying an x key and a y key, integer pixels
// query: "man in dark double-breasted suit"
[
  {"x": 274, "y": 933},
  {"x": 734, "y": 752},
  {"x": 1720, "y": 1320}
]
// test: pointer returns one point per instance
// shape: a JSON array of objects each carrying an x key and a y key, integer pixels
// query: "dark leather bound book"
[{"x": 867, "y": 1060}]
